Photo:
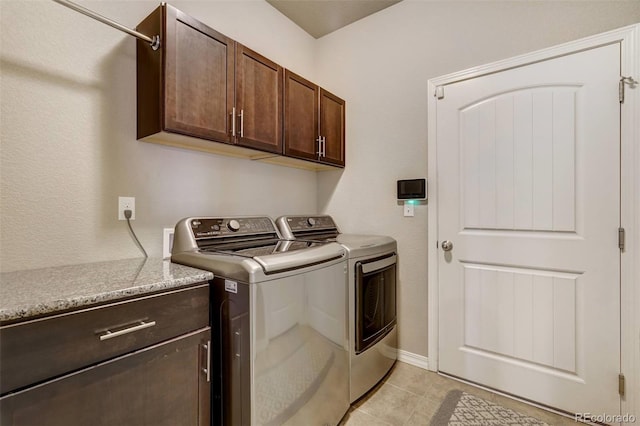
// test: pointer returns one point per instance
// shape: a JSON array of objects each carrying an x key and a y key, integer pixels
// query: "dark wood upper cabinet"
[
  {"x": 202, "y": 87},
  {"x": 186, "y": 87},
  {"x": 300, "y": 117},
  {"x": 313, "y": 122},
  {"x": 258, "y": 101},
  {"x": 332, "y": 128}
]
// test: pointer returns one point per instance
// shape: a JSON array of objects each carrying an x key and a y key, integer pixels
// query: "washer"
[
  {"x": 279, "y": 320},
  {"x": 372, "y": 260}
]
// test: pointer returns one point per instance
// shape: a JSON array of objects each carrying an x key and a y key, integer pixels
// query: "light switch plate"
[
  {"x": 167, "y": 242},
  {"x": 408, "y": 209}
]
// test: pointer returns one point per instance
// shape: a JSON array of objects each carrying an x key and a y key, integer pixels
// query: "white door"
[{"x": 528, "y": 169}]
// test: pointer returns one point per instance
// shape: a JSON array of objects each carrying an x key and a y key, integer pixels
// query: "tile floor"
[{"x": 409, "y": 395}]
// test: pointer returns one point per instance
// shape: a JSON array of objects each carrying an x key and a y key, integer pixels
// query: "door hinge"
[
  {"x": 621, "y": 235},
  {"x": 621, "y": 384},
  {"x": 439, "y": 92},
  {"x": 624, "y": 80}
]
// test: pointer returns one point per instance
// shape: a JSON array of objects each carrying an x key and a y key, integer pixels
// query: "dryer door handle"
[{"x": 379, "y": 264}]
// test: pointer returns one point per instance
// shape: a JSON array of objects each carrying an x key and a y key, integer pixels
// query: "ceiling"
[{"x": 320, "y": 17}]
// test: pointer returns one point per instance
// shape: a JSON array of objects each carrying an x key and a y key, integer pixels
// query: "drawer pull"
[{"x": 110, "y": 335}]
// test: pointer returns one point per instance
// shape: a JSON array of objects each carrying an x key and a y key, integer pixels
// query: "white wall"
[
  {"x": 68, "y": 126},
  {"x": 67, "y": 123},
  {"x": 381, "y": 65}
]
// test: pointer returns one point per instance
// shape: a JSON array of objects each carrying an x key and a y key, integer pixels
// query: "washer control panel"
[{"x": 225, "y": 227}]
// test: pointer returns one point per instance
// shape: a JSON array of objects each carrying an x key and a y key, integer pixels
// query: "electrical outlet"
[{"x": 126, "y": 203}]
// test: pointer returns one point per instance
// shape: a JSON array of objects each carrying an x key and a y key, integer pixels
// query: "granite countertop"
[{"x": 38, "y": 292}]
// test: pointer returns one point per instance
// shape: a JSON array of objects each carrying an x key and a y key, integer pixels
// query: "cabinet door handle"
[
  {"x": 233, "y": 121},
  {"x": 322, "y": 146},
  {"x": 207, "y": 369},
  {"x": 237, "y": 344},
  {"x": 111, "y": 334},
  {"x": 241, "y": 123}
]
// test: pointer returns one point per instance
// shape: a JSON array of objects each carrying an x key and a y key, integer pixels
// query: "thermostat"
[{"x": 412, "y": 189}]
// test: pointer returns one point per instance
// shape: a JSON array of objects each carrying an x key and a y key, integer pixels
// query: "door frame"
[{"x": 629, "y": 39}]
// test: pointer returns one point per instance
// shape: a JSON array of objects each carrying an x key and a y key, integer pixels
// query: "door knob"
[{"x": 447, "y": 245}]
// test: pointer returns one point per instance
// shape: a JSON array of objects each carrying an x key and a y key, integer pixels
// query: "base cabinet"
[
  {"x": 141, "y": 361},
  {"x": 161, "y": 385}
]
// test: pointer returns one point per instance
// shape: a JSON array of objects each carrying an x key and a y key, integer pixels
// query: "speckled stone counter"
[{"x": 38, "y": 292}]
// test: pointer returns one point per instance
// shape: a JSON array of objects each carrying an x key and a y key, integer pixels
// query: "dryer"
[{"x": 372, "y": 259}]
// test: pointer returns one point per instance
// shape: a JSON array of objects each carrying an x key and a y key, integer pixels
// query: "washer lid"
[
  {"x": 299, "y": 258},
  {"x": 249, "y": 269}
]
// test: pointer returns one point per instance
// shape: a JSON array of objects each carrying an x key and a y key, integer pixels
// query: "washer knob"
[
  {"x": 233, "y": 225},
  {"x": 311, "y": 221}
]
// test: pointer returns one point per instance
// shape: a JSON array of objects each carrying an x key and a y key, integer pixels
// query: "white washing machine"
[{"x": 372, "y": 260}]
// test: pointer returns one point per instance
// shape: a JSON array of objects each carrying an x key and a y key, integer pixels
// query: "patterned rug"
[{"x": 464, "y": 409}]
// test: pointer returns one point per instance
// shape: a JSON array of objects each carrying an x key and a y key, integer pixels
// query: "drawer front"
[
  {"x": 161, "y": 385},
  {"x": 36, "y": 350}
]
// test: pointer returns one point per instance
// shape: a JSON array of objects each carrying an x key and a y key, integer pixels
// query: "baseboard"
[{"x": 413, "y": 359}]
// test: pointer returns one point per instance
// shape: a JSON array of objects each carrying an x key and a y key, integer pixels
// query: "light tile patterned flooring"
[{"x": 410, "y": 396}]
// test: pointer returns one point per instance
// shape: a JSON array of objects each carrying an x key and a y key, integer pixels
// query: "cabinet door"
[
  {"x": 300, "y": 117},
  {"x": 258, "y": 101},
  {"x": 332, "y": 124},
  {"x": 199, "y": 78},
  {"x": 164, "y": 384}
]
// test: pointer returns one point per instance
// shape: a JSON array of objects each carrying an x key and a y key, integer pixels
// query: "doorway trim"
[{"x": 629, "y": 39}]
